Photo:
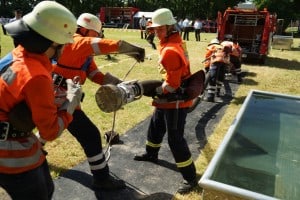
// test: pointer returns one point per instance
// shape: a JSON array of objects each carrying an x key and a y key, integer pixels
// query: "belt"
[
  {"x": 8, "y": 132},
  {"x": 59, "y": 81}
]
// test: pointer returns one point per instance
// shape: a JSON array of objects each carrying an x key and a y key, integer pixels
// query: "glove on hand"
[
  {"x": 74, "y": 96},
  {"x": 133, "y": 51},
  {"x": 110, "y": 79}
]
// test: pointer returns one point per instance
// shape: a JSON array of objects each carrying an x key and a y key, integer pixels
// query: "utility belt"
[
  {"x": 59, "y": 81},
  {"x": 8, "y": 132}
]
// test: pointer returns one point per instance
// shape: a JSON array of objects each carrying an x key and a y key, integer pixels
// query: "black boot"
[
  {"x": 239, "y": 78},
  {"x": 186, "y": 187},
  {"x": 146, "y": 157},
  {"x": 110, "y": 183}
]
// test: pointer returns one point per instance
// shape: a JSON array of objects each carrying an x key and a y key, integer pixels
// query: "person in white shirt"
[
  {"x": 197, "y": 27},
  {"x": 185, "y": 25},
  {"x": 143, "y": 23},
  {"x": 18, "y": 15}
]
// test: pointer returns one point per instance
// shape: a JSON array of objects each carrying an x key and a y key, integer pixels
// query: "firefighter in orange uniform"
[
  {"x": 216, "y": 60},
  {"x": 170, "y": 116},
  {"x": 76, "y": 59},
  {"x": 235, "y": 56},
  {"x": 26, "y": 80},
  {"x": 150, "y": 34}
]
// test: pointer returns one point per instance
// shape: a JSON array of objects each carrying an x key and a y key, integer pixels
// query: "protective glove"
[
  {"x": 73, "y": 98},
  {"x": 110, "y": 79},
  {"x": 133, "y": 51}
]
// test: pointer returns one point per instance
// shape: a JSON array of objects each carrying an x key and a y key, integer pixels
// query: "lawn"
[{"x": 280, "y": 73}]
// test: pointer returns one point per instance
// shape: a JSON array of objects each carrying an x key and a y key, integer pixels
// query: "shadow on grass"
[{"x": 283, "y": 63}]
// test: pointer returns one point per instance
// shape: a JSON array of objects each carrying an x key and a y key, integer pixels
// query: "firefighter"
[
  {"x": 216, "y": 61},
  {"x": 76, "y": 59},
  {"x": 170, "y": 116},
  {"x": 150, "y": 34},
  {"x": 235, "y": 56},
  {"x": 26, "y": 85}
]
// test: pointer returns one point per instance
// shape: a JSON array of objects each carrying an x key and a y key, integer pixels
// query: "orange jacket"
[
  {"x": 214, "y": 53},
  {"x": 28, "y": 79},
  {"x": 174, "y": 67},
  {"x": 74, "y": 56}
]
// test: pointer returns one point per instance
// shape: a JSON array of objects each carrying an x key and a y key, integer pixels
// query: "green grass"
[{"x": 280, "y": 74}]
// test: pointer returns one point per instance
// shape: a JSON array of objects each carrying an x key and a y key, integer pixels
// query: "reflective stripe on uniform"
[
  {"x": 95, "y": 45},
  {"x": 21, "y": 162},
  {"x": 148, "y": 143},
  {"x": 93, "y": 73},
  {"x": 185, "y": 163},
  {"x": 96, "y": 157},
  {"x": 99, "y": 166},
  {"x": 15, "y": 145},
  {"x": 61, "y": 125}
]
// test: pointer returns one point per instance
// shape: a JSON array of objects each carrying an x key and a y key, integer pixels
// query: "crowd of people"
[{"x": 54, "y": 55}]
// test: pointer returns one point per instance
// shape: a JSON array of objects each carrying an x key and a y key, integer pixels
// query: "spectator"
[
  {"x": 185, "y": 26},
  {"x": 142, "y": 24},
  {"x": 179, "y": 26},
  {"x": 18, "y": 15},
  {"x": 197, "y": 27}
]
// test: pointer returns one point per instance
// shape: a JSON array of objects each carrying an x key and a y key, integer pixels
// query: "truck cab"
[{"x": 252, "y": 28}]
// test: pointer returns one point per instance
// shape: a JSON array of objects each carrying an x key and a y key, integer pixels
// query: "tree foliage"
[{"x": 204, "y": 9}]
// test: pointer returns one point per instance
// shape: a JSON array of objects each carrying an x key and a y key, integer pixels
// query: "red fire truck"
[
  {"x": 117, "y": 16},
  {"x": 252, "y": 28}
]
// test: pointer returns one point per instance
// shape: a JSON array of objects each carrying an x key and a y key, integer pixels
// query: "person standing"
[
  {"x": 142, "y": 24},
  {"x": 186, "y": 30},
  {"x": 170, "y": 116},
  {"x": 197, "y": 28},
  {"x": 26, "y": 83},
  {"x": 76, "y": 59},
  {"x": 216, "y": 59},
  {"x": 18, "y": 15}
]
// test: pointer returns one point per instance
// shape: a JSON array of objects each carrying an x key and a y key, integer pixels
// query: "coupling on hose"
[{"x": 110, "y": 98}]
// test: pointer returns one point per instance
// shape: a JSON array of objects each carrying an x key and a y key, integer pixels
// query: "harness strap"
[{"x": 84, "y": 67}]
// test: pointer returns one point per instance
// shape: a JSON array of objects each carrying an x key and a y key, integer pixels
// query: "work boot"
[
  {"x": 110, "y": 183},
  {"x": 186, "y": 187},
  {"x": 146, "y": 157}
]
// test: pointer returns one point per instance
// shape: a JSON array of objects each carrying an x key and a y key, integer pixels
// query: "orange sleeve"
[
  {"x": 94, "y": 74},
  {"x": 173, "y": 65},
  {"x": 39, "y": 96},
  {"x": 207, "y": 55},
  {"x": 108, "y": 46}
]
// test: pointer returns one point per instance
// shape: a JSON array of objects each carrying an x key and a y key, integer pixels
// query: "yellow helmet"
[
  {"x": 53, "y": 21},
  {"x": 162, "y": 16},
  {"x": 89, "y": 21}
]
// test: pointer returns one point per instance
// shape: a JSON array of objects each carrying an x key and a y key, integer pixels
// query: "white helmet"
[
  {"x": 162, "y": 16},
  {"x": 214, "y": 41},
  {"x": 53, "y": 21},
  {"x": 89, "y": 21}
]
